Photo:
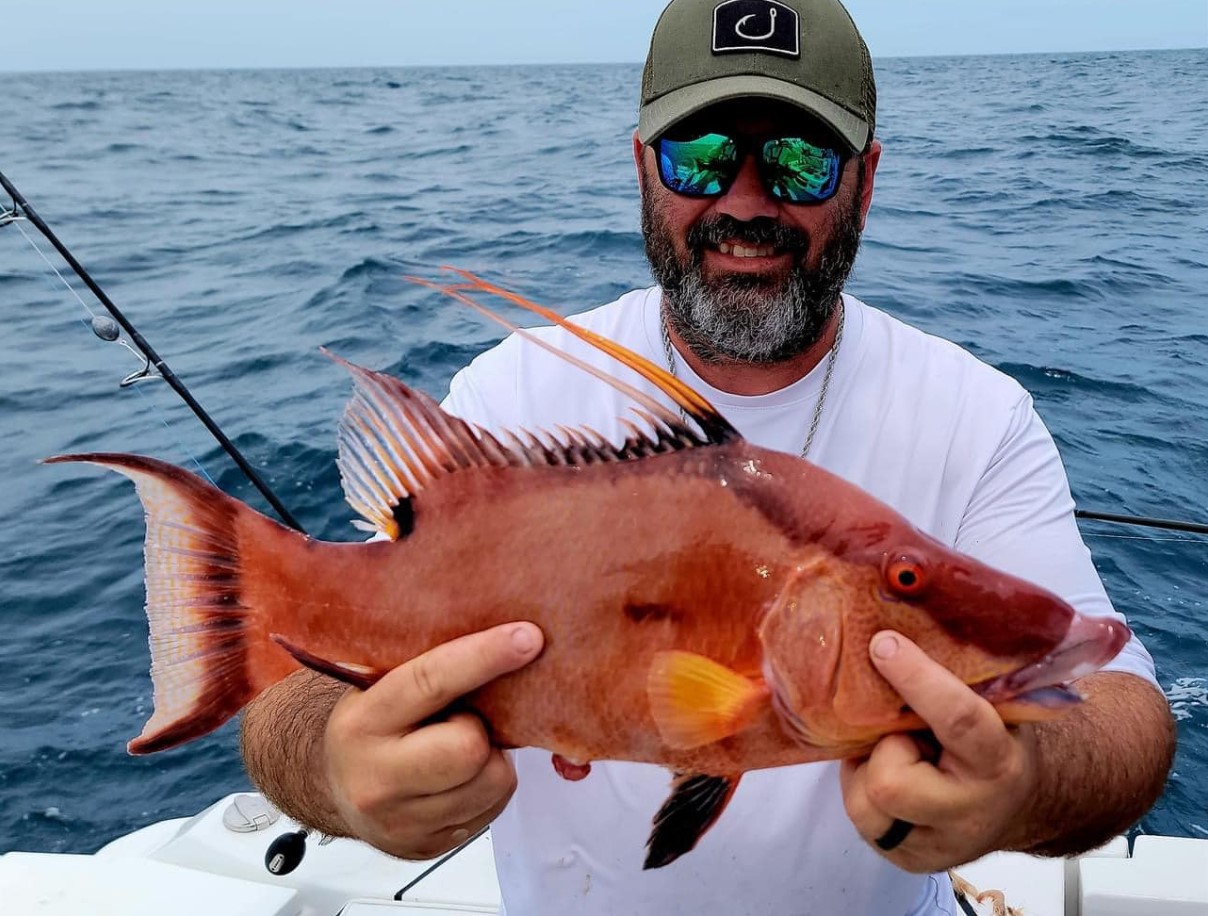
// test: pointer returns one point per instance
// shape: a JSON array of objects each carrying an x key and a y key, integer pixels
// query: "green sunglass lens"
[
  {"x": 700, "y": 167},
  {"x": 799, "y": 171}
]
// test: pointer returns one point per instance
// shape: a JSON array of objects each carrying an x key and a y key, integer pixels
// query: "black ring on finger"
[{"x": 893, "y": 837}]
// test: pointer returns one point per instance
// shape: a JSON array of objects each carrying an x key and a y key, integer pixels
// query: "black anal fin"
[{"x": 696, "y": 802}]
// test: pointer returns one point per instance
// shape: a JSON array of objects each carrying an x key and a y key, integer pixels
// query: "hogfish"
[{"x": 707, "y": 604}]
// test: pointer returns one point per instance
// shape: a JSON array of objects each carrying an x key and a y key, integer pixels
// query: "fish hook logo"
[
  {"x": 766, "y": 35},
  {"x": 756, "y": 25}
]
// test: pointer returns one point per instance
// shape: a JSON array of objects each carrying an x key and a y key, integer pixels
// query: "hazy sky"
[{"x": 136, "y": 34}]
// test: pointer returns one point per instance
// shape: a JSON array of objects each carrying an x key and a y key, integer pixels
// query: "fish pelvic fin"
[
  {"x": 695, "y": 804},
  {"x": 716, "y": 429},
  {"x": 695, "y": 701},
  {"x": 360, "y": 676},
  {"x": 201, "y": 631}
]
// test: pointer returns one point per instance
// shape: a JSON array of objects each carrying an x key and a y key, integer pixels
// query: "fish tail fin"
[{"x": 205, "y": 661}]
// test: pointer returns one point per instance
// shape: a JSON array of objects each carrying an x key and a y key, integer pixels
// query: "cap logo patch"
[{"x": 756, "y": 25}]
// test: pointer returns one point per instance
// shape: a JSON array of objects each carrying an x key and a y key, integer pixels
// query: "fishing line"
[
  {"x": 107, "y": 330},
  {"x": 437, "y": 864},
  {"x": 1140, "y": 537},
  {"x": 16, "y": 221},
  {"x": 23, "y": 210}
]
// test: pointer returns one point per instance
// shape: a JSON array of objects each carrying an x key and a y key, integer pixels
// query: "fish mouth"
[{"x": 1090, "y": 643}]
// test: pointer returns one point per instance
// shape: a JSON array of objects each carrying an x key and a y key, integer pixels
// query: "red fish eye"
[{"x": 906, "y": 576}]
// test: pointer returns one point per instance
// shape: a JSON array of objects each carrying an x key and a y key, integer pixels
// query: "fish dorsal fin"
[
  {"x": 394, "y": 441},
  {"x": 717, "y": 430}
]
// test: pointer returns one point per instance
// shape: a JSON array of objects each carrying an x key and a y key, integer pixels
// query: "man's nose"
[{"x": 747, "y": 198}]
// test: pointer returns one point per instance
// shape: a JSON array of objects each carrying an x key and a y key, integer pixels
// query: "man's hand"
[
  {"x": 375, "y": 764},
  {"x": 964, "y": 804},
  {"x": 415, "y": 788}
]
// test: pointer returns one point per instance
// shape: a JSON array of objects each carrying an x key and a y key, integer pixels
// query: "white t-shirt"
[{"x": 944, "y": 439}]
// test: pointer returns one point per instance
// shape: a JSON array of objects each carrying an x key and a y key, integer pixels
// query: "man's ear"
[
  {"x": 639, "y": 152},
  {"x": 871, "y": 158}
]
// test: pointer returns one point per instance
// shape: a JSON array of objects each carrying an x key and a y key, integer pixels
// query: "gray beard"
[{"x": 747, "y": 318}]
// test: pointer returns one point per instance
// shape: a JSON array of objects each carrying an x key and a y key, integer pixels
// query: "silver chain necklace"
[{"x": 669, "y": 352}]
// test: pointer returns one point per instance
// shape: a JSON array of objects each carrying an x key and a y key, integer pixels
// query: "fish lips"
[{"x": 1089, "y": 644}]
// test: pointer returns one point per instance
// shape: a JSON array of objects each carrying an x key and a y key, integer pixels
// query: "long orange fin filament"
[{"x": 716, "y": 428}]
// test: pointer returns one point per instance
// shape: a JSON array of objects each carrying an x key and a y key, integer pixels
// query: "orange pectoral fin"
[{"x": 695, "y": 701}]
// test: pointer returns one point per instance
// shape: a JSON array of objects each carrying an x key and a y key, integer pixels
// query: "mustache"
[{"x": 752, "y": 233}]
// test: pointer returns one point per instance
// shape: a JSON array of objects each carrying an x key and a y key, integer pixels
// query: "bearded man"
[{"x": 757, "y": 158}]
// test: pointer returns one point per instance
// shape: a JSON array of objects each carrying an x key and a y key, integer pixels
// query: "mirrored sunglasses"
[{"x": 793, "y": 169}]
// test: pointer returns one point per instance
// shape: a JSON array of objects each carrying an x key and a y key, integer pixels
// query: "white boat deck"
[{"x": 200, "y": 866}]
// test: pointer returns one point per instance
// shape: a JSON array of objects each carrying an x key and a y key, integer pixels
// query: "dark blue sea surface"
[{"x": 1048, "y": 212}]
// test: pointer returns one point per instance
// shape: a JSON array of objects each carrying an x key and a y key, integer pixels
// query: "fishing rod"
[
  {"x": 22, "y": 209},
  {"x": 286, "y": 852},
  {"x": 1142, "y": 521},
  {"x": 155, "y": 366}
]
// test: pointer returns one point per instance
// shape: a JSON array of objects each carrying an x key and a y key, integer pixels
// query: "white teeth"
[{"x": 738, "y": 251}]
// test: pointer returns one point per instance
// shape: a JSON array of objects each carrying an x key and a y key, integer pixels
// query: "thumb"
[{"x": 428, "y": 683}]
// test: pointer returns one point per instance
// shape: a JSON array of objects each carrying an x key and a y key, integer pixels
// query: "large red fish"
[{"x": 707, "y": 604}]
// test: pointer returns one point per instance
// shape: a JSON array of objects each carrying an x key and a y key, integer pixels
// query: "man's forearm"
[
  {"x": 282, "y": 746},
  {"x": 1099, "y": 768}
]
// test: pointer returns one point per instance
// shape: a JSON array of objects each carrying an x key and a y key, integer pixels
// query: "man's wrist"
[
  {"x": 282, "y": 745},
  {"x": 1031, "y": 827}
]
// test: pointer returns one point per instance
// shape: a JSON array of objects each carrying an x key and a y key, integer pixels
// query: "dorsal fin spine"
[
  {"x": 441, "y": 429},
  {"x": 373, "y": 474},
  {"x": 418, "y": 438},
  {"x": 397, "y": 403},
  {"x": 498, "y": 455},
  {"x": 518, "y": 448},
  {"x": 465, "y": 436},
  {"x": 554, "y": 451},
  {"x": 452, "y": 431},
  {"x": 372, "y": 426},
  {"x": 507, "y": 456},
  {"x": 431, "y": 453},
  {"x": 374, "y": 433},
  {"x": 392, "y": 467}
]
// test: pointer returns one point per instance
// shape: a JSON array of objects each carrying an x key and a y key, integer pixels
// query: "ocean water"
[{"x": 1048, "y": 212}]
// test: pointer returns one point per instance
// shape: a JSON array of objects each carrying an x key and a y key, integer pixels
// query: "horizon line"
[{"x": 614, "y": 63}]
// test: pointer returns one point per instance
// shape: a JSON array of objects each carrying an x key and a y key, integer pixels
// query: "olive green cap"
[{"x": 804, "y": 52}]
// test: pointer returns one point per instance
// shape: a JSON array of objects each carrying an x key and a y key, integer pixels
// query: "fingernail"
[
  {"x": 524, "y": 639},
  {"x": 885, "y": 645},
  {"x": 460, "y": 835}
]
